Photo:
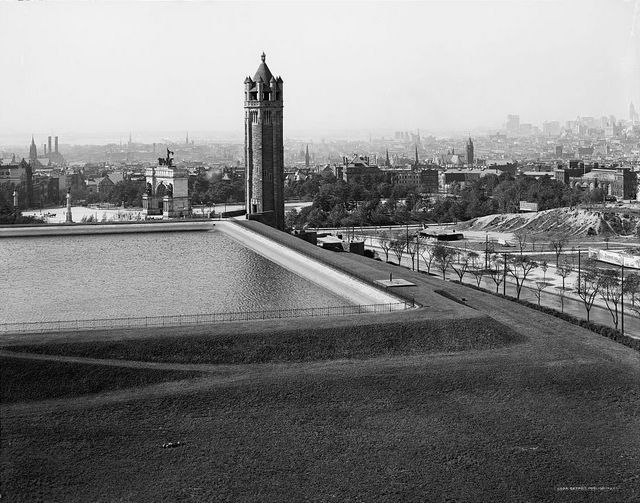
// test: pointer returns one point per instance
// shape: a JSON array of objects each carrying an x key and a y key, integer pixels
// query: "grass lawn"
[
  {"x": 468, "y": 427},
  {"x": 26, "y": 380},
  {"x": 299, "y": 343}
]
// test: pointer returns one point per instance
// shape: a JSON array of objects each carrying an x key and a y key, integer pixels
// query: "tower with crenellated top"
[{"x": 264, "y": 151}]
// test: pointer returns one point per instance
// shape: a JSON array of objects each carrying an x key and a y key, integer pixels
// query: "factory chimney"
[
  {"x": 56, "y": 144},
  {"x": 49, "y": 144}
]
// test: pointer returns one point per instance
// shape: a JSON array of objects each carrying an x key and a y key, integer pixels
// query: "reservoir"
[{"x": 137, "y": 275}]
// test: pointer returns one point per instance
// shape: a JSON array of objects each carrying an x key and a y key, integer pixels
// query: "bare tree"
[
  {"x": 398, "y": 247},
  {"x": 385, "y": 244},
  {"x": 522, "y": 237},
  {"x": 412, "y": 249},
  {"x": 461, "y": 265},
  {"x": 473, "y": 258},
  {"x": 496, "y": 270},
  {"x": 544, "y": 266},
  {"x": 558, "y": 242},
  {"x": 443, "y": 257},
  {"x": 426, "y": 252},
  {"x": 519, "y": 268},
  {"x": 564, "y": 270},
  {"x": 588, "y": 286},
  {"x": 540, "y": 285},
  {"x": 632, "y": 290},
  {"x": 610, "y": 290}
]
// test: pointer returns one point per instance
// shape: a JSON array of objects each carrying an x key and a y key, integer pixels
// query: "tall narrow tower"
[
  {"x": 470, "y": 155},
  {"x": 33, "y": 151},
  {"x": 264, "y": 151}
]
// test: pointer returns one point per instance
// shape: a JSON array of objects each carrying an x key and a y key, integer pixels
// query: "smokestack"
[
  {"x": 56, "y": 144},
  {"x": 49, "y": 144}
]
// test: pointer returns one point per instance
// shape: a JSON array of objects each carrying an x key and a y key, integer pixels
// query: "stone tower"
[
  {"x": 264, "y": 152},
  {"x": 470, "y": 157}
]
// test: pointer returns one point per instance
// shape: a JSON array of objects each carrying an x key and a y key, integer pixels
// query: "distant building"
[
  {"x": 618, "y": 182},
  {"x": 355, "y": 169},
  {"x": 429, "y": 179},
  {"x": 470, "y": 156},
  {"x": 633, "y": 114},
  {"x": 513, "y": 124},
  {"x": 551, "y": 128}
]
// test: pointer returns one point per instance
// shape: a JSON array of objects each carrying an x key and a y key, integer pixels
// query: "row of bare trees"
[{"x": 593, "y": 282}]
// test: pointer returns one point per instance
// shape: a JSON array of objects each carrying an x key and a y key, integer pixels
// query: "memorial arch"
[{"x": 167, "y": 190}]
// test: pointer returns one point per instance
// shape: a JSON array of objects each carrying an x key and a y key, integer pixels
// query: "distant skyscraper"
[
  {"x": 470, "y": 157},
  {"x": 264, "y": 151},
  {"x": 513, "y": 124},
  {"x": 633, "y": 115}
]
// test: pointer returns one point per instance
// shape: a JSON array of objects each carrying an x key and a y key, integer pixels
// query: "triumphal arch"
[{"x": 167, "y": 190}]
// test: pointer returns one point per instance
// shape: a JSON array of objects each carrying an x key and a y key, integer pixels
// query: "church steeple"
[
  {"x": 417, "y": 160},
  {"x": 33, "y": 150},
  {"x": 387, "y": 162},
  {"x": 306, "y": 157}
]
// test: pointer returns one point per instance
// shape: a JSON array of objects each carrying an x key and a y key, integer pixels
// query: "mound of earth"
[{"x": 566, "y": 221}]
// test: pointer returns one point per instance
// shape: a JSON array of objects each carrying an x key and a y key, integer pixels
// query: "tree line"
[{"x": 372, "y": 200}]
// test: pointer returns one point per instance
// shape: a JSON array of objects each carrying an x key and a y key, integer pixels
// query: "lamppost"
[
  {"x": 622, "y": 293},
  {"x": 418, "y": 249},
  {"x": 486, "y": 250},
  {"x": 579, "y": 269},
  {"x": 504, "y": 277}
]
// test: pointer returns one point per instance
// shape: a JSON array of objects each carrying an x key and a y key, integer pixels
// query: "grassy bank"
[
  {"x": 463, "y": 428},
  {"x": 27, "y": 380},
  {"x": 299, "y": 343}
]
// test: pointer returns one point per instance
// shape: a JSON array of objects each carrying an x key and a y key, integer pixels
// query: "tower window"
[{"x": 253, "y": 95}]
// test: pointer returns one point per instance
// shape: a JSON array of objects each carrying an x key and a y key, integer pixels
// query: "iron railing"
[{"x": 195, "y": 319}]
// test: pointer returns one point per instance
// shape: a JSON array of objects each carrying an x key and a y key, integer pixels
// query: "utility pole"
[{"x": 504, "y": 277}]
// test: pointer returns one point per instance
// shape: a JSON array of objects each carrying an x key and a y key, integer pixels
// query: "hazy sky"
[{"x": 361, "y": 65}]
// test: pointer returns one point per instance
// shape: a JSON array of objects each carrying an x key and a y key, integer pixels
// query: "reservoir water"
[{"x": 137, "y": 275}]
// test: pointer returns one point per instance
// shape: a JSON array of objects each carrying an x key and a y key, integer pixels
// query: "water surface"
[{"x": 136, "y": 275}]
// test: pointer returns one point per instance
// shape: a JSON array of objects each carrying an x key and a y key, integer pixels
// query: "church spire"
[
  {"x": 306, "y": 157},
  {"x": 417, "y": 160},
  {"x": 33, "y": 150}
]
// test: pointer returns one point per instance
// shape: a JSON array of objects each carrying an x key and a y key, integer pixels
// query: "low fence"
[{"x": 180, "y": 320}]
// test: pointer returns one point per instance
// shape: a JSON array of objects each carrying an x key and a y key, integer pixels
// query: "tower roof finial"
[{"x": 263, "y": 56}]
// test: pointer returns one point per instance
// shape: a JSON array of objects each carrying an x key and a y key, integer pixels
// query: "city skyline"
[{"x": 168, "y": 66}]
